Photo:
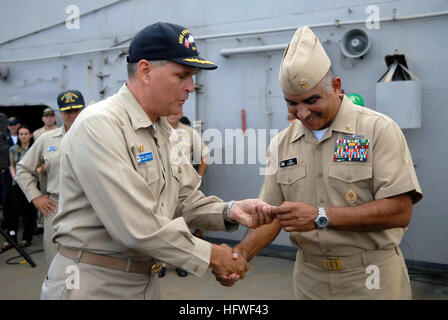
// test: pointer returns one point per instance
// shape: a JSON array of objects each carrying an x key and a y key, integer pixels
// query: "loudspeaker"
[{"x": 355, "y": 43}]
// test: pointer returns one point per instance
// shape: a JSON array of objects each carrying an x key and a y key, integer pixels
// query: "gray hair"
[
  {"x": 327, "y": 81},
  {"x": 132, "y": 67}
]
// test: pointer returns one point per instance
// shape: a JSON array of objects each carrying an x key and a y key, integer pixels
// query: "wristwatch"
[
  {"x": 322, "y": 220},
  {"x": 227, "y": 212}
]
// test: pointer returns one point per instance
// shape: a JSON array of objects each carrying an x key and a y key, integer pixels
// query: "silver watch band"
[{"x": 227, "y": 211}]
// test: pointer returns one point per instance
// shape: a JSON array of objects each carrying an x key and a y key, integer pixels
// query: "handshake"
[
  {"x": 250, "y": 213},
  {"x": 229, "y": 265}
]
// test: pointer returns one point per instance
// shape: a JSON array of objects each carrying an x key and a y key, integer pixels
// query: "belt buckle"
[
  {"x": 332, "y": 264},
  {"x": 156, "y": 267}
]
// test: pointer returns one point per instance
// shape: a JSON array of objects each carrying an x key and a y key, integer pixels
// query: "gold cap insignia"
[
  {"x": 141, "y": 148},
  {"x": 304, "y": 83}
]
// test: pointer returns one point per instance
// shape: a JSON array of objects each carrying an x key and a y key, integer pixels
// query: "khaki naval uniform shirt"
[
  {"x": 119, "y": 189},
  {"x": 43, "y": 175},
  {"x": 304, "y": 170},
  {"x": 191, "y": 144},
  {"x": 45, "y": 150},
  {"x": 37, "y": 133},
  {"x": 318, "y": 180}
]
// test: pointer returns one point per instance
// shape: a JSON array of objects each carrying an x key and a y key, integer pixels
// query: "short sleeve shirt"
[
  {"x": 190, "y": 143},
  {"x": 362, "y": 157},
  {"x": 44, "y": 150}
]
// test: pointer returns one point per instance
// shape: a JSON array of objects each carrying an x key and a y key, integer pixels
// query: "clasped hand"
[
  {"x": 251, "y": 213},
  {"x": 227, "y": 265},
  {"x": 292, "y": 216}
]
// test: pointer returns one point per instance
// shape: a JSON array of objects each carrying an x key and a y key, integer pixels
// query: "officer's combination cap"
[
  {"x": 304, "y": 63},
  {"x": 70, "y": 100},
  {"x": 166, "y": 41}
]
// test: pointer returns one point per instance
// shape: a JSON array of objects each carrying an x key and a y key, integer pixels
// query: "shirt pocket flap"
[
  {"x": 50, "y": 155},
  {"x": 350, "y": 172},
  {"x": 291, "y": 175}
]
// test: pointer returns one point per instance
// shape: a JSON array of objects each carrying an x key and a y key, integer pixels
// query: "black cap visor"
[{"x": 195, "y": 61}]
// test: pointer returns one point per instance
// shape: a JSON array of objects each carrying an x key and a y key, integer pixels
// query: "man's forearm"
[
  {"x": 202, "y": 168},
  {"x": 393, "y": 212},
  {"x": 257, "y": 239}
]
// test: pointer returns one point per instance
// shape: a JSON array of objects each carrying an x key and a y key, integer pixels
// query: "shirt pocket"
[
  {"x": 292, "y": 182},
  {"x": 51, "y": 160},
  {"x": 353, "y": 182},
  {"x": 149, "y": 172}
]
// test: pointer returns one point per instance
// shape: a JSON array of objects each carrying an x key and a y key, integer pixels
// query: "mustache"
[{"x": 312, "y": 115}]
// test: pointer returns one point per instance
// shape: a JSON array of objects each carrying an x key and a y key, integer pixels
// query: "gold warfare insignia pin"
[
  {"x": 349, "y": 128},
  {"x": 304, "y": 83},
  {"x": 351, "y": 196},
  {"x": 69, "y": 97},
  {"x": 141, "y": 148}
]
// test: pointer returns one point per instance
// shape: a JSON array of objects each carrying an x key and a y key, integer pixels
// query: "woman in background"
[{"x": 20, "y": 206}]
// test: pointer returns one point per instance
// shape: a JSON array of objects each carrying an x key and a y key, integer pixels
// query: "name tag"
[
  {"x": 351, "y": 150},
  {"x": 144, "y": 157},
  {"x": 289, "y": 162},
  {"x": 51, "y": 148}
]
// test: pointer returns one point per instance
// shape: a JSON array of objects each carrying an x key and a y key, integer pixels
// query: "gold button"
[{"x": 179, "y": 170}]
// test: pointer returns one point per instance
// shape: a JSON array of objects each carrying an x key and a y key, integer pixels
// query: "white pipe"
[
  {"x": 64, "y": 55},
  {"x": 245, "y": 33},
  {"x": 59, "y": 23},
  {"x": 320, "y": 25},
  {"x": 256, "y": 49}
]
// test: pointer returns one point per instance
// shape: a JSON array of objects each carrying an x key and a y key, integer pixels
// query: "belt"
[
  {"x": 340, "y": 263},
  {"x": 111, "y": 262}
]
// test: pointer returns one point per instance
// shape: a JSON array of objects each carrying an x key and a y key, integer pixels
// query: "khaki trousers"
[
  {"x": 384, "y": 279},
  {"x": 70, "y": 280},
  {"x": 50, "y": 248}
]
